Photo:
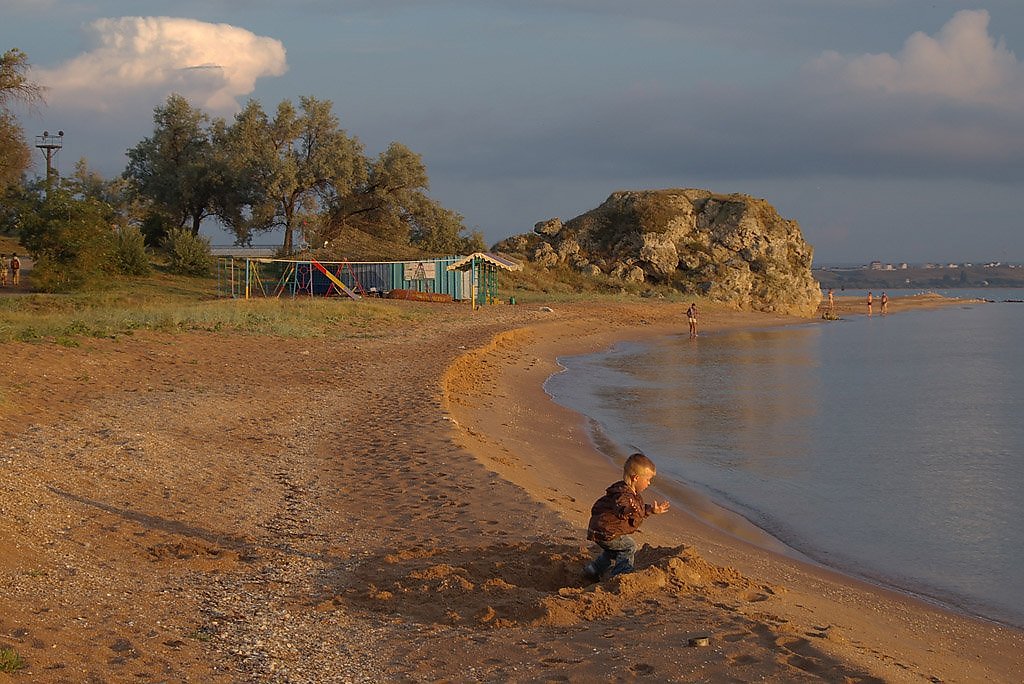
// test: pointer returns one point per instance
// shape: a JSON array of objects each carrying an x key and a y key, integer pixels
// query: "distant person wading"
[{"x": 691, "y": 317}]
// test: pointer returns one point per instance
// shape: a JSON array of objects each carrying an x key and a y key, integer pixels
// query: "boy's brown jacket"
[{"x": 620, "y": 511}]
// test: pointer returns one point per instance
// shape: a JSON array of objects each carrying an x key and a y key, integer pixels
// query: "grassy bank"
[{"x": 167, "y": 303}]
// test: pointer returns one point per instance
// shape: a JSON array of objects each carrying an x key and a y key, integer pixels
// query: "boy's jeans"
[{"x": 617, "y": 554}]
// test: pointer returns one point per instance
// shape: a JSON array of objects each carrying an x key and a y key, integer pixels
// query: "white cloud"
[
  {"x": 210, "y": 64},
  {"x": 962, "y": 63}
]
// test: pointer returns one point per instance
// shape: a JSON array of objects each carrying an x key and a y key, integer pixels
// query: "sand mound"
[{"x": 532, "y": 584}]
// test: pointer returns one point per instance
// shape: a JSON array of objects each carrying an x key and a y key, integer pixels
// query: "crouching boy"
[{"x": 617, "y": 515}]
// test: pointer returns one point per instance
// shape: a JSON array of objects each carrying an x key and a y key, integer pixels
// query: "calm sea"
[{"x": 891, "y": 448}]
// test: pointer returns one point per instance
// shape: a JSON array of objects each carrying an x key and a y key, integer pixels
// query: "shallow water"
[{"x": 887, "y": 447}]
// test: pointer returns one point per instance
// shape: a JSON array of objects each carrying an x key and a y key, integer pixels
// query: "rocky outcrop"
[{"x": 733, "y": 248}]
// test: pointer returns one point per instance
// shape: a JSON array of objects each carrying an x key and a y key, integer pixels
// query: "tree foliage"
[
  {"x": 295, "y": 171},
  {"x": 188, "y": 253},
  {"x": 176, "y": 168},
  {"x": 287, "y": 167},
  {"x": 70, "y": 238},
  {"x": 15, "y": 154},
  {"x": 130, "y": 256}
]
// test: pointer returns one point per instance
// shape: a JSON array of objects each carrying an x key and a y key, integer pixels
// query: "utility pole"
[{"x": 50, "y": 144}]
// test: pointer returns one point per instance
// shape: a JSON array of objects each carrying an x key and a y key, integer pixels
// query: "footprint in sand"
[{"x": 642, "y": 669}]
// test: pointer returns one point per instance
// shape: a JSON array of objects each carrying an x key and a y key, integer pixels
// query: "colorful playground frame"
[{"x": 257, "y": 277}]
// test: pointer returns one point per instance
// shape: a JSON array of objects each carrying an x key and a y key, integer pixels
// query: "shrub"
[
  {"x": 130, "y": 256},
  {"x": 70, "y": 239},
  {"x": 10, "y": 661},
  {"x": 189, "y": 254}
]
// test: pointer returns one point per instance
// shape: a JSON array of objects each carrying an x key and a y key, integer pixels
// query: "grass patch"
[
  {"x": 10, "y": 661},
  {"x": 173, "y": 304}
]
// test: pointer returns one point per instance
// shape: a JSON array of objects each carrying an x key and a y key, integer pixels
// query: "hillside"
[{"x": 729, "y": 248}]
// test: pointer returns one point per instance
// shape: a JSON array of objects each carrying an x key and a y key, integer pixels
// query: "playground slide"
[{"x": 334, "y": 279}]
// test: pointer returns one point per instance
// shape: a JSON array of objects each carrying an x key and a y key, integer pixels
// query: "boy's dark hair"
[{"x": 637, "y": 463}]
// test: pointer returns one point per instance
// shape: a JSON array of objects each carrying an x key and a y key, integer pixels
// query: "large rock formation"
[{"x": 733, "y": 248}]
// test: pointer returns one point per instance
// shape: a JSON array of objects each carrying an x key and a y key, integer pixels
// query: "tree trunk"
[{"x": 287, "y": 246}]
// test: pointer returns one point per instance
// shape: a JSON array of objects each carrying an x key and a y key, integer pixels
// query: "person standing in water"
[
  {"x": 885, "y": 303},
  {"x": 691, "y": 317},
  {"x": 871, "y": 300}
]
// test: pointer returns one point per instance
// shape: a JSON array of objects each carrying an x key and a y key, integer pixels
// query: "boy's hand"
[{"x": 660, "y": 507}]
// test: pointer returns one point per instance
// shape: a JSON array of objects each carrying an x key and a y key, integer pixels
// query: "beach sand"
[{"x": 399, "y": 505}]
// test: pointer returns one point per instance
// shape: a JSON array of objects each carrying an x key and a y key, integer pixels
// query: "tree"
[
  {"x": 393, "y": 205},
  {"x": 320, "y": 161},
  {"x": 287, "y": 168},
  {"x": 70, "y": 237},
  {"x": 15, "y": 153},
  {"x": 251, "y": 167},
  {"x": 382, "y": 205},
  {"x": 127, "y": 207},
  {"x": 437, "y": 230},
  {"x": 176, "y": 168}
]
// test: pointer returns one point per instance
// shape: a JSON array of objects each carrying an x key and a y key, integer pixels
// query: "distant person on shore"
[
  {"x": 885, "y": 303},
  {"x": 871, "y": 300},
  {"x": 617, "y": 515},
  {"x": 15, "y": 269},
  {"x": 3, "y": 270},
  {"x": 691, "y": 317},
  {"x": 831, "y": 303}
]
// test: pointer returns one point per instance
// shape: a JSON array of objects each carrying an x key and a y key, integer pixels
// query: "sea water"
[{"x": 890, "y": 447}]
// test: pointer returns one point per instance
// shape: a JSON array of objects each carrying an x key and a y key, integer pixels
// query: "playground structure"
[{"x": 431, "y": 280}]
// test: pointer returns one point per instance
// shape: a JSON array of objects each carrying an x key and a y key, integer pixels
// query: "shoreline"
[
  {"x": 232, "y": 508},
  {"x": 816, "y": 584},
  {"x": 720, "y": 515}
]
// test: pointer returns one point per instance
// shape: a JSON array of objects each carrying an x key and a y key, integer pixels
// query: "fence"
[{"x": 247, "y": 277}]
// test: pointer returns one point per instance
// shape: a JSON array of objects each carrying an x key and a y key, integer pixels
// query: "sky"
[{"x": 889, "y": 129}]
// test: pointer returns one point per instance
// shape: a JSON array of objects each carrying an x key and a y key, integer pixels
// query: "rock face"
[{"x": 733, "y": 248}]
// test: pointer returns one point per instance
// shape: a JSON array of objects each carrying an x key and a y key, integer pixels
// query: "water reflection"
[{"x": 889, "y": 447}]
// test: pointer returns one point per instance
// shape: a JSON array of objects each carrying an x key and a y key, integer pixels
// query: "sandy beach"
[{"x": 398, "y": 505}]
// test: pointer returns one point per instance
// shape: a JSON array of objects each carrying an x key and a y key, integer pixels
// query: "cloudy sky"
[{"x": 890, "y": 129}]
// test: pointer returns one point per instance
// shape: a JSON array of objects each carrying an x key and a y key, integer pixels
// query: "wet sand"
[{"x": 812, "y": 612}]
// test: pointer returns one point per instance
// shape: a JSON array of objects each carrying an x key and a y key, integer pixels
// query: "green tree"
[
  {"x": 130, "y": 256},
  {"x": 393, "y": 205},
  {"x": 250, "y": 169},
  {"x": 320, "y": 162},
  {"x": 15, "y": 86},
  {"x": 286, "y": 169},
  {"x": 71, "y": 239},
  {"x": 176, "y": 168},
  {"x": 129, "y": 210},
  {"x": 438, "y": 230},
  {"x": 382, "y": 204}
]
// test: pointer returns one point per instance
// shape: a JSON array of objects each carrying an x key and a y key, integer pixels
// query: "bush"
[
  {"x": 189, "y": 254},
  {"x": 130, "y": 256},
  {"x": 71, "y": 241},
  {"x": 155, "y": 227}
]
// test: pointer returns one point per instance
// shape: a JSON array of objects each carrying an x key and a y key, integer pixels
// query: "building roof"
[{"x": 465, "y": 263}]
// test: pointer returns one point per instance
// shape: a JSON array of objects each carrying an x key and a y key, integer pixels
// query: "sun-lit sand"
[{"x": 404, "y": 504}]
